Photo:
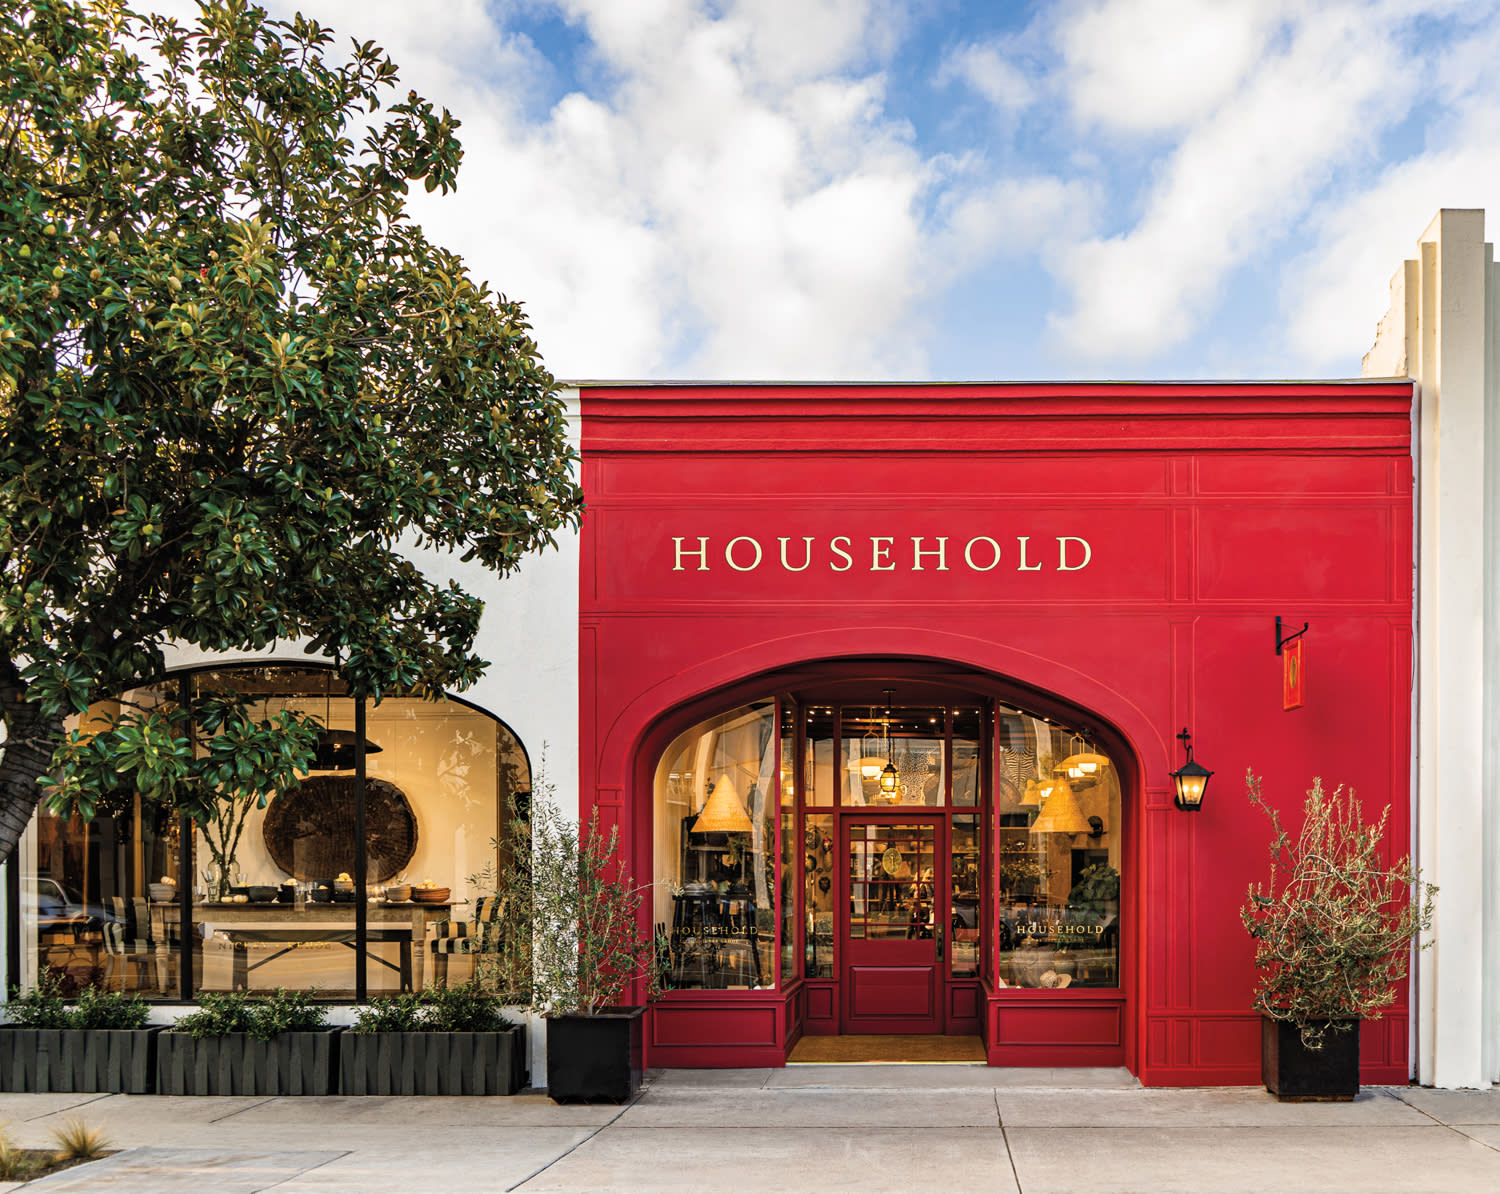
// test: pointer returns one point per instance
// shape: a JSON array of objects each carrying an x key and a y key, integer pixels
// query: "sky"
[{"x": 947, "y": 189}]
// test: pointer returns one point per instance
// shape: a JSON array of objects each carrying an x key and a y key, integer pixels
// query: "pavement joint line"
[
  {"x": 291, "y": 1177},
  {"x": 1009, "y": 1155},
  {"x": 1442, "y": 1123},
  {"x": 634, "y": 1099},
  {"x": 63, "y": 1111},
  {"x": 241, "y": 1111}
]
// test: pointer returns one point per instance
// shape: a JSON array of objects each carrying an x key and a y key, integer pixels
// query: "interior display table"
[{"x": 290, "y": 925}]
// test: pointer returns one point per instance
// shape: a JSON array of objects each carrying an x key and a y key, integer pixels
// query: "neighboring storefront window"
[
  {"x": 717, "y": 800},
  {"x": 1057, "y": 866},
  {"x": 272, "y": 890}
]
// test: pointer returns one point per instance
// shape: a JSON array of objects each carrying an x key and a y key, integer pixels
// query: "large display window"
[
  {"x": 254, "y": 898},
  {"x": 1057, "y": 857},
  {"x": 717, "y": 802},
  {"x": 923, "y": 847}
]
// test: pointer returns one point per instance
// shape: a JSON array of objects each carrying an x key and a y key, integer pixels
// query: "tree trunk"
[{"x": 30, "y": 740}]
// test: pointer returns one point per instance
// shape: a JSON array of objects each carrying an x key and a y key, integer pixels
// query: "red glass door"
[{"x": 894, "y": 909}]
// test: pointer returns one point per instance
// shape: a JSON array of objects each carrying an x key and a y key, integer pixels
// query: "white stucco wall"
[
  {"x": 1441, "y": 330},
  {"x": 528, "y": 632}
]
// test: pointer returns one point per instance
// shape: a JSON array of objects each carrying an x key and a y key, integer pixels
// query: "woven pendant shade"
[
  {"x": 1060, "y": 813},
  {"x": 1032, "y": 796},
  {"x": 724, "y": 813}
]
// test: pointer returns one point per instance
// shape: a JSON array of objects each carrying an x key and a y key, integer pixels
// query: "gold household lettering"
[{"x": 883, "y": 553}]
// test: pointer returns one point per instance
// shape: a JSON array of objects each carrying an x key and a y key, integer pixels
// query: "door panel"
[
  {"x": 879, "y": 992},
  {"x": 893, "y": 911}
]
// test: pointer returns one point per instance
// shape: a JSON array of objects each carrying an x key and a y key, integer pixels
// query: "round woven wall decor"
[{"x": 309, "y": 831}]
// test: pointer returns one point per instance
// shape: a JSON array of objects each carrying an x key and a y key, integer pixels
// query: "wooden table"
[{"x": 293, "y": 924}]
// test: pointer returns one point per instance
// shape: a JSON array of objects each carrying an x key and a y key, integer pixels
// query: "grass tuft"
[{"x": 80, "y": 1141}]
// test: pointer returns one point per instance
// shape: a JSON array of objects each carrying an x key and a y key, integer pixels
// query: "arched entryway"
[{"x": 891, "y": 846}]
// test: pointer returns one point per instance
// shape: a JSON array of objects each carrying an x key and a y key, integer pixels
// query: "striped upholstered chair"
[
  {"x": 481, "y": 935},
  {"x": 128, "y": 938}
]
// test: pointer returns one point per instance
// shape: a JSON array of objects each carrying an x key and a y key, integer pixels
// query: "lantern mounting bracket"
[{"x": 1281, "y": 642}]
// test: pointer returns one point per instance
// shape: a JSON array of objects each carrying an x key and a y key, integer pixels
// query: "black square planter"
[
  {"x": 432, "y": 1063},
  {"x": 81, "y": 1060},
  {"x": 595, "y": 1059},
  {"x": 238, "y": 1064},
  {"x": 1296, "y": 1074}
]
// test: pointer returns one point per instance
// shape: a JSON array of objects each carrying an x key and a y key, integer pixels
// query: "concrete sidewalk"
[{"x": 812, "y": 1128}]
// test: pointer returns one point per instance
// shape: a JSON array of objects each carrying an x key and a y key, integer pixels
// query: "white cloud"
[
  {"x": 1152, "y": 66},
  {"x": 1235, "y": 181},
  {"x": 733, "y": 200},
  {"x": 991, "y": 71},
  {"x": 732, "y": 188},
  {"x": 1334, "y": 294}
]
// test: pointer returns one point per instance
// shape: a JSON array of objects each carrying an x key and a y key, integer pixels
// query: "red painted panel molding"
[{"x": 1112, "y": 555}]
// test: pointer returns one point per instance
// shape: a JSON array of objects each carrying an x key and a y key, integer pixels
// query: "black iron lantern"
[{"x": 1191, "y": 778}]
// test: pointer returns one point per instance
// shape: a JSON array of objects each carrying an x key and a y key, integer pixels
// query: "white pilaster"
[{"x": 1445, "y": 329}]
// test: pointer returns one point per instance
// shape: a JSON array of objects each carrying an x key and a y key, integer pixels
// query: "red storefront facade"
[{"x": 1105, "y": 558}]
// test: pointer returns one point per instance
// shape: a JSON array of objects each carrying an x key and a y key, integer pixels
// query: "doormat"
[{"x": 912, "y": 1048}]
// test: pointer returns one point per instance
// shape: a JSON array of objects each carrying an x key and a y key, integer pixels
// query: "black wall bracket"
[{"x": 1281, "y": 642}]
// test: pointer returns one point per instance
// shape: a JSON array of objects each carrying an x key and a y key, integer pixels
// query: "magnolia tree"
[{"x": 234, "y": 378}]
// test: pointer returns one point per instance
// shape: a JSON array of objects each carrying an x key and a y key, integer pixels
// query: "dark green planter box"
[
  {"x": 293, "y": 1063},
  {"x": 432, "y": 1063},
  {"x": 1296, "y": 1074},
  {"x": 595, "y": 1059},
  {"x": 78, "y": 1060}
]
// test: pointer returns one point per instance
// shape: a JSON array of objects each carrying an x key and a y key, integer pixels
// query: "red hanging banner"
[{"x": 1292, "y": 676}]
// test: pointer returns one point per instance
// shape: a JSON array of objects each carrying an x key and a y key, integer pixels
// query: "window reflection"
[
  {"x": 716, "y": 800},
  {"x": 1057, "y": 868}
]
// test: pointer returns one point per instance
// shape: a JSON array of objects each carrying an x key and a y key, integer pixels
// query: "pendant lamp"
[
  {"x": 889, "y": 778},
  {"x": 868, "y": 763},
  {"x": 723, "y": 811},
  {"x": 1083, "y": 762},
  {"x": 1036, "y": 791},
  {"x": 1060, "y": 813},
  {"x": 335, "y": 750}
]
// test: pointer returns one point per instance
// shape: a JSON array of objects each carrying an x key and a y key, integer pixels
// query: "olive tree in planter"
[
  {"x": 1333, "y": 928},
  {"x": 571, "y": 899},
  {"x": 100, "y": 1044},
  {"x": 236, "y": 1044},
  {"x": 442, "y": 1041}
]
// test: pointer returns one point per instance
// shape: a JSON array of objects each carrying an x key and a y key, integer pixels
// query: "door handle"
[{"x": 938, "y": 934}]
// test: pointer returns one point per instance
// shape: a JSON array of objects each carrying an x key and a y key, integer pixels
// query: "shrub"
[
  {"x": 41, "y": 1007},
  {"x": 1334, "y": 923},
  {"x": 109, "y": 1009},
  {"x": 442, "y": 1009},
  {"x": 45, "y": 1006},
  {"x": 263, "y": 1017}
]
